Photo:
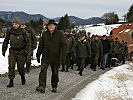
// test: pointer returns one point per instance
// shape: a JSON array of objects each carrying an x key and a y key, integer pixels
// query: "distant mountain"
[
  {"x": 79, "y": 21},
  {"x": 24, "y": 17}
]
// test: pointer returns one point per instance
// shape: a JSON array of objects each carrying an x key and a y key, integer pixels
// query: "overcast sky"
[{"x": 56, "y": 8}]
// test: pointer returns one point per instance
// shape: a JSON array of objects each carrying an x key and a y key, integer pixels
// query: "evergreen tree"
[
  {"x": 36, "y": 25},
  {"x": 64, "y": 23},
  {"x": 130, "y": 14},
  {"x": 116, "y": 18},
  {"x": 61, "y": 24}
]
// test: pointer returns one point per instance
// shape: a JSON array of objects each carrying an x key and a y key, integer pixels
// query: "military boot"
[
  {"x": 11, "y": 84},
  {"x": 27, "y": 69},
  {"x": 40, "y": 89},
  {"x": 23, "y": 80},
  {"x": 80, "y": 73},
  {"x": 72, "y": 66},
  {"x": 63, "y": 68},
  {"x": 67, "y": 69},
  {"x": 54, "y": 90}
]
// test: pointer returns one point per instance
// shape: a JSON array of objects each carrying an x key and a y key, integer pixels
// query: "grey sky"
[{"x": 56, "y": 8}]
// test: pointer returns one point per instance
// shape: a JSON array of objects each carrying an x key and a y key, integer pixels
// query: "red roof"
[{"x": 123, "y": 33}]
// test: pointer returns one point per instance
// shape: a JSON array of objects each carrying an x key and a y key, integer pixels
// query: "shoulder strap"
[{"x": 23, "y": 33}]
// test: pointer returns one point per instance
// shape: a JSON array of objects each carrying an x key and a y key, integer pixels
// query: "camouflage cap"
[
  {"x": 68, "y": 30},
  {"x": 81, "y": 35},
  {"x": 16, "y": 20}
]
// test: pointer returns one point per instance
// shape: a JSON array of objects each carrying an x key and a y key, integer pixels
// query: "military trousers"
[
  {"x": 13, "y": 59},
  {"x": 94, "y": 60},
  {"x": 43, "y": 75},
  {"x": 81, "y": 63},
  {"x": 28, "y": 59}
]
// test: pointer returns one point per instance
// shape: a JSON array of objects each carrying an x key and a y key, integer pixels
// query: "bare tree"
[
  {"x": 107, "y": 28},
  {"x": 110, "y": 18}
]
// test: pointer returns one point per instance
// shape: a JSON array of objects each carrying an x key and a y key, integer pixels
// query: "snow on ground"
[
  {"x": 116, "y": 84},
  {"x": 4, "y": 60},
  {"x": 100, "y": 29}
]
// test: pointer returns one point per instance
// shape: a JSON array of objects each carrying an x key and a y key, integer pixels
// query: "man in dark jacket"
[
  {"x": 106, "y": 49},
  {"x": 33, "y": 41},
  {"x": 50, "y": 46},
  {"x": 83, "y": 50},
  {"x": 19, "y": 48}
]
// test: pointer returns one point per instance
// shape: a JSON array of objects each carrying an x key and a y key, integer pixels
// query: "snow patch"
[{"x": 116, "y": 84}]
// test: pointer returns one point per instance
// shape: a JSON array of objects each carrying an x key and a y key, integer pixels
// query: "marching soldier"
[
  {"x": 19, "y": 48},
  {"x": 83, "y": 50},
  {"x": 96, "y": 51},
  {"x": 33, "y": 41}
]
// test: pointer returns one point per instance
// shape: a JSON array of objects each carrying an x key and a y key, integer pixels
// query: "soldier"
[
  {"x": 88, "y": 39},
  {"x": 96, "y": 51},
  {"x": 19, "y": 48},
  {"x": 83, "y": 50},
  {"x": 110, "y": 54},
  {"x": 33, "y": 41},
  {"x": 117, "y": 49},
  {"x": 70, "y": 43},
  {"x": 50, "y": 46},
  {"x": 124, "y": 51},
  {"x": 74, "y": 57}
]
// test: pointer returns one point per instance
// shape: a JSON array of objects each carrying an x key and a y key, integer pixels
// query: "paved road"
[{"x": 70, "y": 83}]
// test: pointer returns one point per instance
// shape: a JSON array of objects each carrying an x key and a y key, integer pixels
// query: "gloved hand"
[{"x": 3, "y": 53}]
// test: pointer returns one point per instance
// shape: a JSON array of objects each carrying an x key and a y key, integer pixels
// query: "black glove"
[{"x": 3, "y": 53}]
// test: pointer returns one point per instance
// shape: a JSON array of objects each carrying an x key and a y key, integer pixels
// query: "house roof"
[{"x": 124, "y": 32}]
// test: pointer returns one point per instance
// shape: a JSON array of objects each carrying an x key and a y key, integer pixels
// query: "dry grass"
[
  {"x": 120, "y": 77},
  {"x": 131, "y": 68},
  {"x": 108, "y": 95}
]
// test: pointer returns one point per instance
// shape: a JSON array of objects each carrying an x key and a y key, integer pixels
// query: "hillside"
[{"x": 24, "y": 17}]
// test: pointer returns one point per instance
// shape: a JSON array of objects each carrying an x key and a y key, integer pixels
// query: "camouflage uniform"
[
  {"x": 116, "y": 49},
  {"x": 70, "y": 43},
  {"x": 88, "y": 59},
  {"x": 96, "y": 53},
  {"x": 110, "y": 55},
  {"x": 124, "y": 52},
  {"x": 19, "y": 48},
  {"x": 33, "y": 40},
  {"x": 83, "y": 50}
]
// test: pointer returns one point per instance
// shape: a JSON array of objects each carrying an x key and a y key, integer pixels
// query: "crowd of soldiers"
[
  {"x": 84, "y": 49},
  {"x": 58, "y": 48}
]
